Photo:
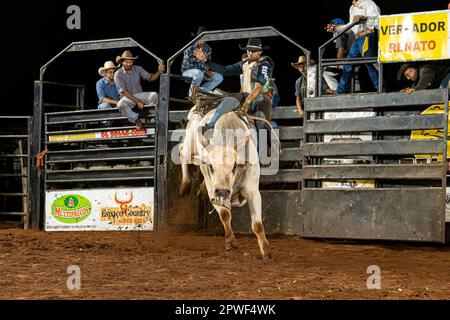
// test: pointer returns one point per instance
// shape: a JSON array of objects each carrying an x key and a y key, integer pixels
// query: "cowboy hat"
[
  {"x": 254, "y": 44},
  {"x": 402, "y": 70},
  {"x": 199, "y": 30},
  {"x": 301, "y": 60},
  {"x": 126, "y": 55},
  {"x": 106, "y": 66}
]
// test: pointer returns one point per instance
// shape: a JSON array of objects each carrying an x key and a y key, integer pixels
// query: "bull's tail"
[{"x": 270, "y": 126}]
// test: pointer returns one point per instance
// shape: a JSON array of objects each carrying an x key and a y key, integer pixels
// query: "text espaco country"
[{"x": 412, "y": 46}]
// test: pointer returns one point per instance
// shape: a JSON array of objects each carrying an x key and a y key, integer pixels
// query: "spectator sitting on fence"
[
  {"x": 425, "y": 76},
  {"x": 128, "y": 81},
  {"x": 197, "y": 69},
  {"x": 365, "y": 43},
  {"x": 107, "y": 93},
  {"x": 343, "y": 44}
]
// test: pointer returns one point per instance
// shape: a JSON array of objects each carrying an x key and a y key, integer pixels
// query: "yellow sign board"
[
  {"x": 431, "y": 134},
  {"x": 415, "y": 36}
]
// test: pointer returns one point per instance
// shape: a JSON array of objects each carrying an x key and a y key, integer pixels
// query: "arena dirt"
[{"x": 150, "y": 265}]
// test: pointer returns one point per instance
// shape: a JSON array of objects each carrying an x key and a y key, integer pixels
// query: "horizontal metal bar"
[
  {"x": 12, "y": 175},
  {"x": 102, "y": 44},
  {"x": 13, "y": 194},
  {"x": 91, "y": 130},
  {"x": 291, "y": 133},
  {"x": 104, "y": 154},
  {"x": 291, "y": 154},
  {"x": 373, "y": 148},
  {"x": 283, "y": 175},
  {"x": 16, "y": 136},
  {"x": 60, "y": 105},
  {"x": 15, "y": 117},
  {"x": 398, "y": 172},
  {"x": 374, "y": 124},
  {"x": 349, "y": 61},
  {"x": 96, "y": 175},
  {"x": 365, "y": 101},
  {"x": 98, "y": 168},
  {"x": 13, "y": 213},
  {"x": 129, "y": 178},
  {"x": 148, "y": 137},
  {"x": 63, "y": 84},
  {"x": 13, "y": 155}
]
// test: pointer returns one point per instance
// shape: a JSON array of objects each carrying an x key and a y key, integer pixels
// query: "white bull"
[{"x": 230, "y": 169}]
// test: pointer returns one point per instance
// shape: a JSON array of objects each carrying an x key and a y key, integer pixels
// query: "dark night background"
[{"x": 33, "y": 33}]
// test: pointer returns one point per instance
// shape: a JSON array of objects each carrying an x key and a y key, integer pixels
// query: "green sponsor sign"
[{"x": 71, "y": 208}]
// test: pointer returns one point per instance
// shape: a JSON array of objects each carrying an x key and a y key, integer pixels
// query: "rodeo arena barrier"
[{"x": 356, "y": 166}]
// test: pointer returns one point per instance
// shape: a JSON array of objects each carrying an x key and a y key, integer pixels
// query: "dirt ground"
[{"x": 150, "y": 265}]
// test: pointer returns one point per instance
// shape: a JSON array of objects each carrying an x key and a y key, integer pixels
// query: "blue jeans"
[
  {"x": 355, "y": 52},
  {"x": 228, "y": 104},
  {"x": 105, "y": 105},
  {"x": 444, "y": 82},
  {"x": 200, "y": 79},
  {"x": 126, "y": 105}
]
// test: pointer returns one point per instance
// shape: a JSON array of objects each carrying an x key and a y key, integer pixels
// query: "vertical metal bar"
[
  {"x": 380, "y": 77},
  {"x": 35, "y": 174},
  {"x": 444, "y": 161},
  {"x": 82, "y": 98},
  {"x": 77, "y": 99},
  {"x": 162, "y": 115},
  {"x": 319, "y": 74}
]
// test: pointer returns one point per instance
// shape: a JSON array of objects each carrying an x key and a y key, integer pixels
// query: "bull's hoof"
[
  {"x": 233, "y": 244},
  {"x": 265, "y": 257},
  {"x": 185, "y": 188}
]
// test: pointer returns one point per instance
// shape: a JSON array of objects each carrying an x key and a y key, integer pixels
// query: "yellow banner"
[{"x": 415, "y": 36}]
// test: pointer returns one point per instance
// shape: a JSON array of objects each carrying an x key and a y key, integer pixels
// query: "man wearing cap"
[
  {"x": 256, "y": 82},
  {"x": 197, "y": 69},
  {"x": 108, "y": 95},
  {"x": 365, "y": 39},
  {"x": 128, "y": 81},
  {"x": 343, "y": 45},
  {"x": 425, "y": 76}
]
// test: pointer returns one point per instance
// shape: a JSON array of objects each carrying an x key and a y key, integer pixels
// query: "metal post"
[
  {"x": 161, "y": 156},
  {"x": 35, "y": 172},
  {"x": 380, "y": 77}
]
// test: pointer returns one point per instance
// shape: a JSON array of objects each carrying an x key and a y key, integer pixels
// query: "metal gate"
[{"x": 408, "y": 199}]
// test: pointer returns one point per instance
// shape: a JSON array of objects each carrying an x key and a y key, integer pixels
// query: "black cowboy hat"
[
  {"x": 199, "y": 30},
  {"x": 402, "y": 70},
  {"x": 254, "y": 44}
]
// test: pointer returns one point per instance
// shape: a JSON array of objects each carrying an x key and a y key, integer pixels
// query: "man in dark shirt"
[
  {"x": 424, "y": 77},
  {"x": 197, "y": 69},
  {"x": 256, "y": 82}
]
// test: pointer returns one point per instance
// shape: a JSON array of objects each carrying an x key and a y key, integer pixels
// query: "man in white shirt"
[{"x": 365, "y": 42}]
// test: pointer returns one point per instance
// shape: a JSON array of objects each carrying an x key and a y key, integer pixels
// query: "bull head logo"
[{"x": 123, "y": 203}]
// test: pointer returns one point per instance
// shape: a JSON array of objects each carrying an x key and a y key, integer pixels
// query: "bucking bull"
[{"x": 230, "y": 166}]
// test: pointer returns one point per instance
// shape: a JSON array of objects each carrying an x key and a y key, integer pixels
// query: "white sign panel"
[{"x": 99, "y": 209}]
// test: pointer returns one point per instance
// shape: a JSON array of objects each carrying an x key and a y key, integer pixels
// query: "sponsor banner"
[
  {"x": 414, "y": 36},
  {"x": 103, "y": 135},
  {"x": 431, "y": 134},
  {"x": 99, "y": 209},
  {"x": 348, "y": 184}
]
